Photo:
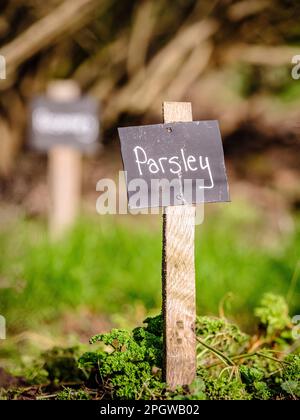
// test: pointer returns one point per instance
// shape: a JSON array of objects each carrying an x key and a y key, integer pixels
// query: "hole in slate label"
[{"x": 169, "y": 129}]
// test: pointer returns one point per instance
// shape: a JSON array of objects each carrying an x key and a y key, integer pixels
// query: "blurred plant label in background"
[
  {"x": 2, "y": 328},
  {"x": 72, "y": 123},
  {"x": 2, "y": 68},
  {"x": 181, "y": 162}
]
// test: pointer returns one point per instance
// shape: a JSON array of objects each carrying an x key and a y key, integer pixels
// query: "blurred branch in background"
[
  {"x": 144, "y": 21},
  {"x": 143, "y": 89},
  {"x": 232, "y": 59},
  {"x": 71, "y": 15},
  {"x": 260, "y": 54}
]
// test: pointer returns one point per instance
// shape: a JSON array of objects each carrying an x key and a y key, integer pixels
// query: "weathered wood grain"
[{"x": 178, "y": 272}]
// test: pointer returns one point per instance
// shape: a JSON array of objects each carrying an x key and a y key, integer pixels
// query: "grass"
[{"x": 113, "y": 265}]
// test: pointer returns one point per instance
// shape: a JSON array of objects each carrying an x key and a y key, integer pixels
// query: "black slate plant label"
[
  {"x": 189, "y": 154},
  {"x": 73, "y": 123}
]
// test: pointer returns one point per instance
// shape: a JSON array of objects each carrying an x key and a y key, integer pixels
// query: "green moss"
[
  {"x": 128, "y": 364},
  {"x": 273, "y": 314},
  {"x": 223, "y": 389},
  {"x": 253, "y": 377},
  {"x": 291, "y": 376},
  {"x": 221, "y": 334},
  {"x": 71, "y": 394},
  {"x": 131, "y": 366},
  {"x": 61, "y": 365}
]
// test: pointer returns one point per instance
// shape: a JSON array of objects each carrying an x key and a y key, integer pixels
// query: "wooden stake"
[
  {"x": 64, "y": 171},
  {"x": 178, "y": 272}
]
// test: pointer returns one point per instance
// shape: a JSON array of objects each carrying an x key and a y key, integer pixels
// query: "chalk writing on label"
[
  {"x": 48, "y": 122},
  {"x": 188, "y": 154},
  {"x": 73, "y": 123},
  {"x": 172, "y": 164}
]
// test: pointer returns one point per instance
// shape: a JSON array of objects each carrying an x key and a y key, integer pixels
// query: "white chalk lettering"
[
  {"x": 137, "y": 159},
  {"x": 191, "y": 159},
  {"x": 207, "y": 166},
  {"x": 184, "y": 161},
  {"x": 175, "y": 165},
  {"x": 161, "y": 165},
  {"x": 81, "y": 124},
  {"x": 152, "y": 163},
  {"x": 172, "y": 161}
]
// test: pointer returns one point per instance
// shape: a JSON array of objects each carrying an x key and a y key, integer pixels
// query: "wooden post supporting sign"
[
  {"x": 64, "y": 170},
  {"x": 178, "y": 277},
  {"x": 176, "y": 165}
]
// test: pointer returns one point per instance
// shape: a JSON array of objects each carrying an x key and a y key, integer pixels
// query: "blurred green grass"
[{"x": 110, "y": 264}]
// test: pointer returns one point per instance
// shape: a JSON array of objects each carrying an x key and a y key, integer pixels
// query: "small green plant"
[
  {"x": 71, "y": 394},
  {"x": 273, "y": 314},
  {"x": 131, "y": 365},
  {"x": 61, "y": 365},
  {"x": 128, "y": 364},
  {"x": 290, "y": 379}
]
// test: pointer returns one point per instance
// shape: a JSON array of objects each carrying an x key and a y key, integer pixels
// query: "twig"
[
  {"x": 219, "y": 354},
  {"x": 248, "y": 355},
  {"x": 272, "y": 358},
  {"x": 69, "y": 16}
]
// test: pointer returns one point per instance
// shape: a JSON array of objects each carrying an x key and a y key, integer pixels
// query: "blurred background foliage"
[{"x": 232, "y": 60}]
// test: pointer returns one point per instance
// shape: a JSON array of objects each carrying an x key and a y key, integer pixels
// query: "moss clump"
[
  {"x": 290, "y": 379},
  {"x": 61, "y": 365},
  {"x": 220, "y": 334},
  {"x": 53, "y": 367},
  {"x": 273, "y": 314},
  {"x": 72, "y": 394},
  {"x": 231, "y": 365},
  {"x": 131, "y": 366},
  {"x": 253, "y": 378},
  {"x": 223, "y": 388}
]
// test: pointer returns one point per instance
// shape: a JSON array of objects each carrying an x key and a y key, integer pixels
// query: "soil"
[{"x": 9, "y": 381}]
